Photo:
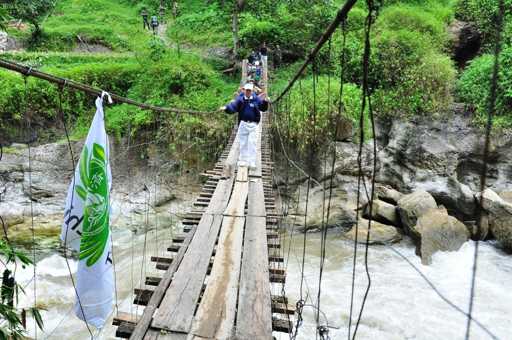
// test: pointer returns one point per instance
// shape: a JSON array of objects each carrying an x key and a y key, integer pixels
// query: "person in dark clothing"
[
  {"x": 154, "y": 23},
  {"x": 264, "y": 52},
  {"x": 248, "y": 106},
  {"x": 145, "y": 16}
]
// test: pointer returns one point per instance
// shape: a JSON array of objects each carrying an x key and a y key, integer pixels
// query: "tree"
[
  {"x": 237, "y": 8},
  {"x": 31, "y": 11}
]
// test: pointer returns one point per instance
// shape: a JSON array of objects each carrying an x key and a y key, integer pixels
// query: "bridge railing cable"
[
  {"x": 340, "y": 17},
  {"x": 93, "y": 91}
]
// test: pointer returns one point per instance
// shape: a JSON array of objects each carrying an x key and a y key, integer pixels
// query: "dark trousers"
[{"x": 146, "y": 23}]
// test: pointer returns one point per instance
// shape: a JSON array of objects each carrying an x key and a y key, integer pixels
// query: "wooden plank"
[
  {"x": 178, "y": 305},
  {"x": 143, "y": 324},
  {"x": 125, "y": 317},
  {"x": 220, "y": 197},
  {"x": 256, "y": 198},
  {"x": 254, "y": 317},
  {"x": 236, "y": 205},
  {"x": 215, "y": 316},
  {"x": 177, "y": 308},
  {"x": 232, "y": 159},
  {"x": 156, "y": 334}
]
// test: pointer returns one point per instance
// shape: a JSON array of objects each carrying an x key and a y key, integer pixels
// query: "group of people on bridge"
[{"x": 249, "y": 103}]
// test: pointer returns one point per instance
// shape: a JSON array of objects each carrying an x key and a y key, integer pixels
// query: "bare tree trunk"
[
  {"x": 237, "y": 8},
  {"x": 236, "y": 41}
]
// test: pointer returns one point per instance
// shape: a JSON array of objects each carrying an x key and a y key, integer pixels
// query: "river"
[{"x": 400, "y": 305}]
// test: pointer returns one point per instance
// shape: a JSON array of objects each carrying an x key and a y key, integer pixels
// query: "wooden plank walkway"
[{"x": 218, "y": 283}]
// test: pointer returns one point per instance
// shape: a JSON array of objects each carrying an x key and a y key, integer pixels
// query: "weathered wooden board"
[
  {"x": 256, "y": 198},
  {"x": 236, "y": 205},
  {"x": 254, "y": 316},
  {"x": 178, "y": 305},
  {"x": 158, "y": 294},
  {"x": 156, "y": 334},
  {"x": 220, "y": 197},
  {"x": 256, "y": 172},
  {"x": 177, "y": 308},
  {"x": 215, "y": 316},
  {"x": 232, "y": 159}
]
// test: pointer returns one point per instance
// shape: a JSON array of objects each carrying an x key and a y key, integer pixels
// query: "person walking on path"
[
  {"x": 248, "y": 106},
  {"x": 175, "y": 9},
  {"x": 154, "y": 23},
  {"x": 145, "y": 16},
  {"x": 264, "y": 52}
]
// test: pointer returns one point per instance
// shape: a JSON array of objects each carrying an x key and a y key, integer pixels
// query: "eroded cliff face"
[
  {"x": 444, "y": 158},
  {"x": 148, "y": 188}
]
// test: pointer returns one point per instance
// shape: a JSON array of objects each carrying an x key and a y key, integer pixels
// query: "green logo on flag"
[{"x": 95, "y": 231}]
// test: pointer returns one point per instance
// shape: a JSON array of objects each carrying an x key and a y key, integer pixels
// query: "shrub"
[
  {"x": 483, "y": 13},
  {"x": 474, "y": 84},
  {"x": 422, "y": 89},
  {"x": 413, "y": 19},
  {"x": 301, "y": 105}
]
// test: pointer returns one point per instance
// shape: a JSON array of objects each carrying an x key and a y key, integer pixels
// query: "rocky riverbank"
[
  {"x": 147, "y": 190},
  {"x": 428, "y": 178}
]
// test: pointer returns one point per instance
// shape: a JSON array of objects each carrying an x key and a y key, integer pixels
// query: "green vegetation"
[
  {"x": 30, "y": 11},
  {"x": 473, "y": 86},
  {"x": 411, "y": 70},
  {"x": 12, "y": 325}
]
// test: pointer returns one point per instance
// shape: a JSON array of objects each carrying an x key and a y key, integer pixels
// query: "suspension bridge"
[
  {"x": 218, "y": 275},
  {"x": 220, "y": 272}
]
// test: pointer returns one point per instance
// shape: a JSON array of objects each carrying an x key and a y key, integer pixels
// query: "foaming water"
[
  {"x": 400, "y": 304},
  {"x": 55, "y": 291}
]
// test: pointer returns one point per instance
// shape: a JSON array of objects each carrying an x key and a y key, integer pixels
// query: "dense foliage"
[
  {"x": 12, "y": 326},
  {"x": 168, "y": 80},
  {"x": 411, "y": 69},
  {"x": 30, "y": 11}
]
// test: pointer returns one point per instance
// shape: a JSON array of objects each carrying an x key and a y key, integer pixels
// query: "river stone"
[
  {"x": 163, "y": 196},
  {"x": 11, "y": 214},
  {"x": 438, "y": 231},
  {"x": 500, "y": 217},
  {"x": 412, "y": 206},
  {"x": 382, "y": 212},
  {"x": 506, "y": 196},
  {"x": 388, "y": 194},
  {"x": 465, "y": 40},
  {"x": 379, "y": 233}
]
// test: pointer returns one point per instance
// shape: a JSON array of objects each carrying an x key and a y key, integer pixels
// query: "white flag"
[{"x": 86, "y": 226}]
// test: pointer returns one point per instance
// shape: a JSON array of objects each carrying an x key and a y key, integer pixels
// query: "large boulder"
[
  {"x": 379, "y": 233},
  {"x": 458, "y": 198},
  {"x": 438, "y": 231},
  {"x": 412, "y": 206},
  {"x": 506, "y": 196},
  {"x": 341, "y": 213},
  {"x": 500, "y": 217},
  {"x": 388, "y": 194},
  {"x": 382, "y": 212},
  {"x": 466, "y": 40}
]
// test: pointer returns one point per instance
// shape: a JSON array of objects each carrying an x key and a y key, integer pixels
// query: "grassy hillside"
[{"x": 140, "y": 67}]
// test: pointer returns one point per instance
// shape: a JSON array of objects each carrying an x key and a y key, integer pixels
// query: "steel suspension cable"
[
  {"x": 491, "y": 111},
  {"x": 372, "y": 11},
  {"x": 31, "y": 198},
  {"x": 340, "y": 16},
  {"x": 72, "y": 156}
]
